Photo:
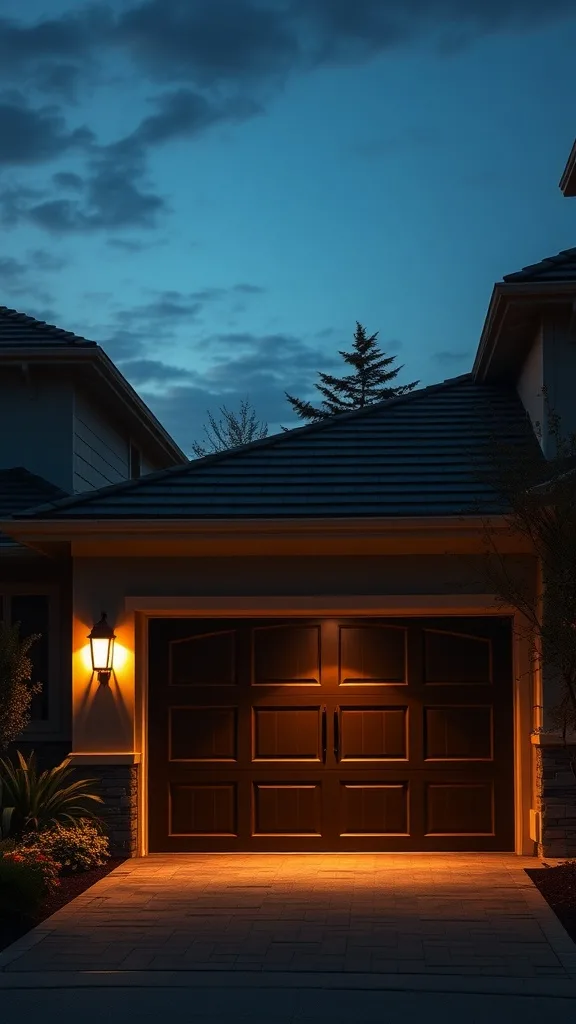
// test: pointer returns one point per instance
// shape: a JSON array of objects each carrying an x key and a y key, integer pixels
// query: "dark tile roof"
[
  {"x": 20, "y": 490},
  {"x": 419, "y": 455},
  {"x": 20, "y": 329},
  {"x": 553, "y": 269}
]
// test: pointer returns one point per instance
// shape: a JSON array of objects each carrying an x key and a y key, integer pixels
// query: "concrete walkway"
[{"x": 269, "y": 932}]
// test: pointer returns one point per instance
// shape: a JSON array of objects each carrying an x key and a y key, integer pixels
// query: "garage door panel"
[
  {"x": 208, "y": 809},
  {"x": 289, "y": 733},
  {"x": 204, "y": 659},
  {"x": 457, "y": 658},
  {"x": 287, "y": 808},
  {"x": 371, "y": 733},
  {"x": 286, "y": 655},
  {"x": 460, "y": 808},
  {"x": 372, "y": 654},
  {"x": 374, "y": 809},
  {"x": 458, "y": 733},
  {"x": 199, "y": 733}
]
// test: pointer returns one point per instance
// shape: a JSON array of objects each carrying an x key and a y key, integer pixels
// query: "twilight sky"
[{"x": 216, "y": 190}]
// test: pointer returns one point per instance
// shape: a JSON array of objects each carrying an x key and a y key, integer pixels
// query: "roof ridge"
[
  {"x": 15, "y": 316},
  {"x": 271, "y": 441}
]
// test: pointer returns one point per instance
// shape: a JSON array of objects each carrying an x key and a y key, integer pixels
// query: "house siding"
[
  {"x": 101, "y": 450},
  {"x": 530, "y": 382},
  {"x": 559, "y": 356},
  {"x": 36, "y": 414}
]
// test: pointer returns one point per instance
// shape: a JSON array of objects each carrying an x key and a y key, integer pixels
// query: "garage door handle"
[
  {"x": 324, "y": 735},
  {"x": 337, "y": 734}
]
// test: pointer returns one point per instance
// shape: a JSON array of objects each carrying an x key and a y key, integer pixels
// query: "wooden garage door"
[{"x": 348, "y": 734}]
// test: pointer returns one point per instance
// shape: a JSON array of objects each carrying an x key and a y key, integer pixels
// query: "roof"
[
  {"x": 421, "y": 454},
  {"x": 568, "y": 179},
  {"x": 561, "y": 267},
  {"x": 26, "y": 339},
  {"x": 20, "y": 490},
  {"x": 20, "y": 329}
]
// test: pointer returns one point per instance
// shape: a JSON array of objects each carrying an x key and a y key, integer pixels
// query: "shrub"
[
  {"x": 16, "y": 686},
  {"x": 39, "y": 800},
  {"x": 25, "y": 880},
  {"x": 77, "y": 847}
]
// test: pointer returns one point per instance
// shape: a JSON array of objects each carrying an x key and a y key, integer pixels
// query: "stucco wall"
[{"x": 105, "y": 717}]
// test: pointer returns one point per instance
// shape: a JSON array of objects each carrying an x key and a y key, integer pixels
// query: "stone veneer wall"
[
  {"x": 556, "y": 789},
  {"x": 118, "y": 787}
]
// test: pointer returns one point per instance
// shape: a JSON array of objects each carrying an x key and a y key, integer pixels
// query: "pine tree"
[
  {"x": 369, "y": 383},
  {"x": 232, "y": 430}
]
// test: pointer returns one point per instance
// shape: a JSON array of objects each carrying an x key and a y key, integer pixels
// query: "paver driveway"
[{"x": 385, "y": 914}]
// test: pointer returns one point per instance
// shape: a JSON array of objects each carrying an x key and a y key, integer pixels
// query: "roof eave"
[
  {"x": 128, "y": 398},
  {"x": 527, "y": 297},
  {"x": 568, "y": 179},
  {"x": 23, "y": 528}
]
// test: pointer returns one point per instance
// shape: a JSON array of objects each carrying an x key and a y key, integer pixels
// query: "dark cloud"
[
  {"x": 53, "y": 54},
  {"x": 220, "y": 59},
  {"x": 130, "y": 244},
  {"x": 260, "y": 366},
  {"x": 170, "y": 305},
  {"x": 21, "y": 276},
  {"x": 153, "y": 371},
  {"x": 181, "y": 114},
  {"x": 30, "y": 136},
  {"x": 68, "y": 180},
  {"x": 113, "y": 198},
  {"x": 15, "y": 201},
  {"x": 449, "y": 358},
  {"x": 214, "y": 43}
]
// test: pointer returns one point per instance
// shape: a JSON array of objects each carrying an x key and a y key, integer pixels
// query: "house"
[
  {"x": 69, "y": 423},
  {"x": 306, "y": 657}
]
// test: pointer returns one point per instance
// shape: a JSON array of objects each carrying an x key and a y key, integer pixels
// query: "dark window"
[
  {"x": 135, "y": 462},
  {"x": 32, "y": 612}
]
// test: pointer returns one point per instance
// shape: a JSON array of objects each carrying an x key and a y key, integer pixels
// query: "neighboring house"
[
  {"x": 306, "y": 656},
  {"x": 69, "y": 422}
]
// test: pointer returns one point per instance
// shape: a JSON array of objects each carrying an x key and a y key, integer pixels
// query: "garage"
[{"x": 338, "y": 734}]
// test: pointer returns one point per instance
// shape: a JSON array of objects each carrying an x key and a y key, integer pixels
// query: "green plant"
[
  {"x": 16, "y": 687},
  {"x": 25, "y": 882},
  {"x": 42, "y": 799},
  {"x": 77, "y": 847}
]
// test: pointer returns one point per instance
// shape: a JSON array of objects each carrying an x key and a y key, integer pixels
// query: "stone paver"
[{"x": 444, "y": 915}]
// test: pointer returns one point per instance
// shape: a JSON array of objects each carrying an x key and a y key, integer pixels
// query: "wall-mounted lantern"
[{"x": 102, "y": 638}]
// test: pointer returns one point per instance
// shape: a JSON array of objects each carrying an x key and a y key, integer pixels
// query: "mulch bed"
[
  {"x": 70, "y": 887},
  {"x": 558, "y": 887}
]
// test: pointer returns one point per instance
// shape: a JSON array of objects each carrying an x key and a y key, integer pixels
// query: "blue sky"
[{"x": 216, "y": 191}]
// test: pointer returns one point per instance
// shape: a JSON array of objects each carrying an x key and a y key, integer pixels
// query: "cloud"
[
  {"x": 260, "y": 366},
  {"x": 211, "y": 44},
  {"x": 181, "y": 114},
  {"x": 153, "y": 371},
  {"x": 113, "y": 198},
  {"x": 29, "y": 136},
  {"x": 217, "y": 61},
  {"x": 131, "y": 244},
  {"x": 54, "y": 53},
  {"x": 68, "y": 180},
  {"x": 449, "y": 357},
  {"x": 20, "y": 277}
]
